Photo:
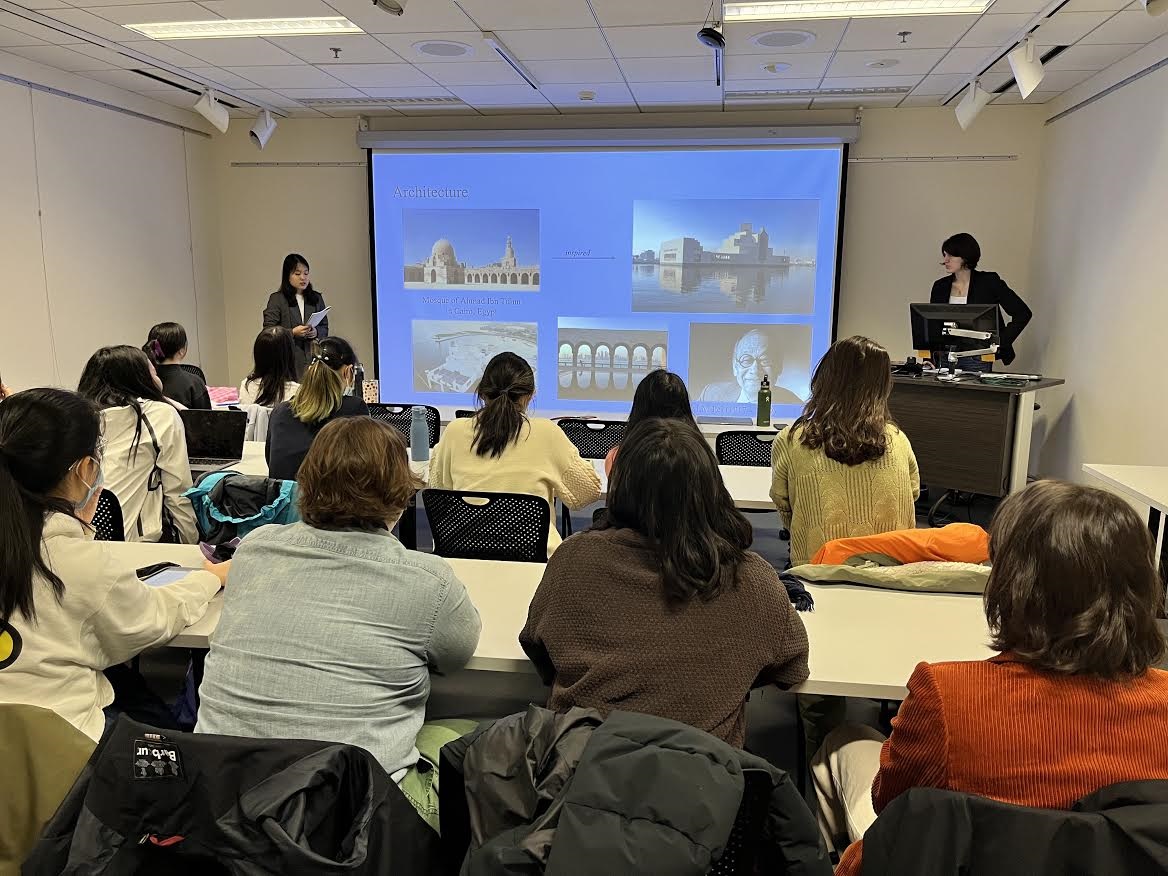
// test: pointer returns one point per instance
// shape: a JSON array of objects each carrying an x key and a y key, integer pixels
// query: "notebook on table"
[{"x": 214, "y": 439}]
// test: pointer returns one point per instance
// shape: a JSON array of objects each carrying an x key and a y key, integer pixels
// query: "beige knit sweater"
[{"x": 820, "y": 499}]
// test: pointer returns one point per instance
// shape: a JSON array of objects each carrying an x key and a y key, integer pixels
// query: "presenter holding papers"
[
  {"x": 964, "y": 284},
  {"x": 299, "y": 308}
]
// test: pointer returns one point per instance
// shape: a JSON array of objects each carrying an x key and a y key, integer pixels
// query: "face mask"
[{"x": 98, "y": 483}]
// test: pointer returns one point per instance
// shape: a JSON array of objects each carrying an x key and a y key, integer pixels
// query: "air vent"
[
  {"x": 808, "y": 93},
  {"x": 374, "y": 103}
]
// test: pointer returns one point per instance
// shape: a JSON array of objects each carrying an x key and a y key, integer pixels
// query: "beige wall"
[
  {"x": 1098, "y": 286},
  {"x": 264, "y": 213}
]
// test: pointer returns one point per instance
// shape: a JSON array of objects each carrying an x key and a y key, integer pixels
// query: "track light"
[
  {"x": 973, "y": 103},
  {"x": 262, "y": 130},
  {"x": 213, "y": 111},
  {"x": 1155, "y": 7},
  {"x": 1026, "y": 66}
]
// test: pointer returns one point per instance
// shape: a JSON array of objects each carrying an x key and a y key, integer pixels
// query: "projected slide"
[{"x": 598, "y": 266}]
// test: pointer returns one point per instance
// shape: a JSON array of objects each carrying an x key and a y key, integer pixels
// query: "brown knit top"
[{"x": 601, "y": 633}]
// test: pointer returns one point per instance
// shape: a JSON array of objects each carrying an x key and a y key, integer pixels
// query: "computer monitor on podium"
[{"x": 955, "y": 334}]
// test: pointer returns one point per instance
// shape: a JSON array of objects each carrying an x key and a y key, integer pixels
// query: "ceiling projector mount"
[{"x": 393, "y": 7}]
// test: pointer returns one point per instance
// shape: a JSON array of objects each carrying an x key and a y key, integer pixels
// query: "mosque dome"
[{"x": 443, "y": 253}]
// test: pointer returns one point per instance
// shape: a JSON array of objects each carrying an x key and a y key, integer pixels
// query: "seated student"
[
  {"x": 273, "y": 374},
  {"x": 660, "y": 394},
  {"x": 146, "y": 462},
  {"x": 166, "y": 345},
  {"x": 502, "y": 450},
  {"x": 325, "y": 393},
  {"x": 843, "y": 469},
  {"x": 661, "y": 608},
  {"x": 69, "y": 608},
  {"x": 330, "y": 627},
  {"x": 1072, "y": 703}
]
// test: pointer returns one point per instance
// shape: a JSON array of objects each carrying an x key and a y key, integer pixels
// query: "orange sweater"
[{"x": 1004, "y": 730}]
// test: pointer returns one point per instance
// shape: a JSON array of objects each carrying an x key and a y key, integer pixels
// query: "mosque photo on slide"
[
  {"x": 484, "y": 250},
  {"x": 744, "y": 255}
]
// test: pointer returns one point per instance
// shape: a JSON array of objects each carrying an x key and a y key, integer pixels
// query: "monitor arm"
[{"x": 950, "y": 330}]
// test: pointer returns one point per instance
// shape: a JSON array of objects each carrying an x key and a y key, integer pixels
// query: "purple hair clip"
[{"x": 156, "y": 349}]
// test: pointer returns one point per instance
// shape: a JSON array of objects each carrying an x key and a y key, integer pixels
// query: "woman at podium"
[{"x": 964, "y": 284}]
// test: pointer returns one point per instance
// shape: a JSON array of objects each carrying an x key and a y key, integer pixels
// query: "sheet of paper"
[{"x": 316, "y": 318}]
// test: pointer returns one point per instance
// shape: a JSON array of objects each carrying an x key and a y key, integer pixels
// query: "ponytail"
[
  {"x": 42, "y": 433},
  {"x": 321, "y": 389},
  {"x": 506, "y": 383},
  {"x": 165, "y": 341}
]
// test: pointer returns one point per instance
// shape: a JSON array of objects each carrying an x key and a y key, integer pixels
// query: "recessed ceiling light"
[
  {"x": 783, "y": 39},
  {"x": 442, "y": 48},
  {"x": 776, "y": 68},
  {"x": 222, "y": 28},
  {"x": 882, "y": 64},
  {"x": 791, "y": 10}
]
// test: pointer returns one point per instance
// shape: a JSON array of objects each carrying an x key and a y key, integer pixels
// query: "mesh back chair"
[
  {"x": 473, "y": 525},
  {"x": 463, "y": 415},
  {"x": 740, "y": 856},
  {"x": 107, "y": 521},
  {"x": 399, "y": 416},
  {"x": 594, "y": 439},
  {"x": 744, "y": 448},
  {"x": 193, "y": 369}
]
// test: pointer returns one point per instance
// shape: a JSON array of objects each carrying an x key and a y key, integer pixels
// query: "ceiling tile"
[
  {"x": 921, "y": 100},
  {"x": 964, "y": 61},
  {"x": 403, "y": 44},
  {"x": 667, "y": 69},
  {"x": 268, "y": 97},
  {"x": 866, "y": 100},
  {"x": 10, "y": 37},
  {"x": 1053, "y": 80},
  {"x": 485, "y": 73},
  {"x": 499, "y": 95},
  {"x": 527, "y": 14},
  {"x": 1031, "y": 6},
  {"x": 442, "y": 110},
  {"x": 131, "y": 81},
  {"x": 567, "y": 97},
  {"x": 677, "y": 92},
  {"x": 1133, "y": 26},
  {"x": 925, "y": 32},
  {"x": 909, "y": 62},
  {"x": 993, "y": 31},
  {"x": 423, "y": 16},
  {"x": 1067, "y": 28},
  {"x": 309, "y": 93},
  {"x": 775, "y": 83},
  {"x": 784, "y": 103},
  {"x": 91, "y": 24},
  {"x": 802, "y": 66},
  {"x": 164, "y": 53},
  {"x": 235, "y": 52},
  {"x": 613, "y": 13},
  {"x": 1013, "y": 97},
  {"x": 89, "y": 3},
  {"x": 1088, "y": 57},
  {"x": 61, "y": 57},
  {"x": 149, "y": 13},
  {"x": 355, "y": 49},
  {"x": 269, "y": 8},
  {"x": 41, "y": 32},
  {"x": 225, "y": 78},
  {"x": 553, "y": 45},
  {"x": 941, "y": 85},
  {"x": 676, "y": 41},
  {"x": 545, "y": 109},
  {"x": 1094, "y": 6},
  {"x": 827, "y": 36},
  {"x": 283, "y": 77},
  {"x": 44, "y": 4},
  {"x": 109, "y": 57},
  {"x": 871, "y": 82},
  {"x": 303, "y": 113},
  {"x": 568, "y": 72},
  {"x": 408, "y": 91},
  {"x": 377, "y": 75}
]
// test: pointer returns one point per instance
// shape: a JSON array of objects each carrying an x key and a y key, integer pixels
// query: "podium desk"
[{"x": 968, "y": 436}]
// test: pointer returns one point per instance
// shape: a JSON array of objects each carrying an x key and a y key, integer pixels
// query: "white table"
[
  {"x": 864, "y": 642},
  {"x": 1144, "y": 484}
]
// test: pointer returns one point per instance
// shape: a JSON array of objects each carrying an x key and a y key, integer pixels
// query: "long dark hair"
[
  {"x": 665, "y": 484},
  {"x": 42, "y": 433},
  {"x": 165, "y": 341},
  {"x": 291, "y": 262},
  {"x": 321, "y": 390},
  {"x": 661, "y": 394},
  {"x": 116, "y": 377},
  {"x": 506, "y": 382},
  {"x": 847, "y": 413},
  {"x": 273, "y": 364}
]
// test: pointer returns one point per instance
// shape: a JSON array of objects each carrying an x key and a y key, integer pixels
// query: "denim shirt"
[{"x": 331, "y": 636}]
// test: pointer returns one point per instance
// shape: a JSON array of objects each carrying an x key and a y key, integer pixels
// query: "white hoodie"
[{"x": 105, "y": 617}]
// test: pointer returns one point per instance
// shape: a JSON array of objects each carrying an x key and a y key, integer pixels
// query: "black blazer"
[
  {"x": 280, "y": 312},
  {"x": 986, "y": 287}
]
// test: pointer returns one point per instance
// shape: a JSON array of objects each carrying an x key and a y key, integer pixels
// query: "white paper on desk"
[{"x": 315, "y": 319}]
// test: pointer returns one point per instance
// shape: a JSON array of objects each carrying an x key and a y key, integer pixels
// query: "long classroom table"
[{"x": 864, "y": 642}]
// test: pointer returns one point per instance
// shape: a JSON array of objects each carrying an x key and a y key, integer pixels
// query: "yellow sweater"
[
  {"x": 542, "y": 462},
  {"x": 820, "y": 499}
]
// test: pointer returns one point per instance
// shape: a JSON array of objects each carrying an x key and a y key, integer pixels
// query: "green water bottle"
[{"x": 764, "y": 403}]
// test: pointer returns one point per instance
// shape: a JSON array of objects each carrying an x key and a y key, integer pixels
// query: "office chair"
[
  {"x": 400, "y": 417},
  {"x": 475, "y": 525}
]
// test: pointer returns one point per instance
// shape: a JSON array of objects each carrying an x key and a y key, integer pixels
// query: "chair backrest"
[
  {"x": 741, "y": 851},
  {"x": 488, "y": 526},
  {"x": 107, "y": 521},
  {"x": 399, "y": 416},
  {"x": 594, "y": 438},
  {"x": 744, "y": 447},
  {"x": 257, "y": 422},
  {"x": 463, "y": 415},
  {"x": 193, "y": 369}
]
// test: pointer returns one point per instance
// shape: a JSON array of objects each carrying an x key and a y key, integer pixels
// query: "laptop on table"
[{"x": 214, "y": 439}]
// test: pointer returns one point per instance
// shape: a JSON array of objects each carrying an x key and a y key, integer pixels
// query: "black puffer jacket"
[
  {"x": 559, "y": 794},
  {"x": 201, "y": 804}
]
